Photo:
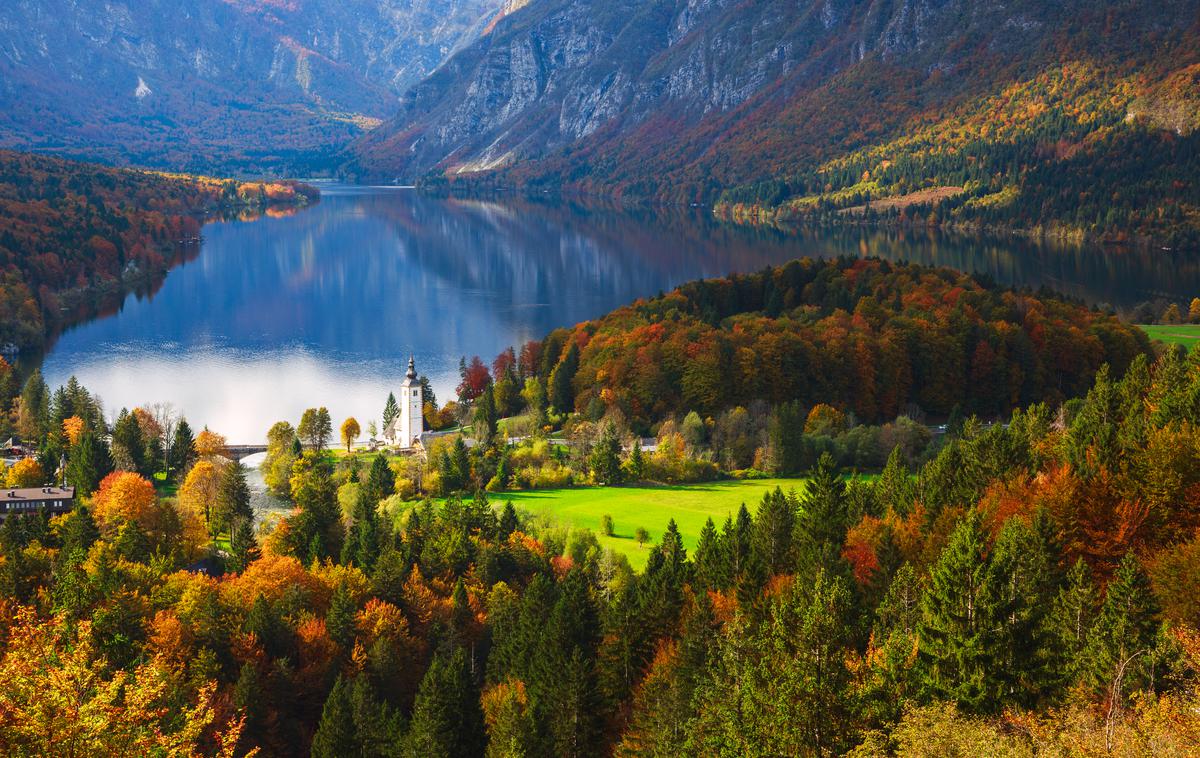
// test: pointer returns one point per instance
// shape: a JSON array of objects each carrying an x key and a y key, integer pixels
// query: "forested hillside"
[
  {"x": 1029, "y": 590},
  {"x": 76, "y": 237},
  {"x": 871, "y": 337},
  {"x": 1072, "y": 118}
]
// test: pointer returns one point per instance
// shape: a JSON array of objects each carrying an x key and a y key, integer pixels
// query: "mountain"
[
  {"x": 215, "y": 84},
  {"x": 793, "y": 108}
]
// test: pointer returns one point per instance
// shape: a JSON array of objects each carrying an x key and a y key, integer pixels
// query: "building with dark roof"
[{"x": 32, "y": 499}]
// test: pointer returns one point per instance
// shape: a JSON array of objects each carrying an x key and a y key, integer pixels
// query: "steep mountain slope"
[
  {"x": 770, "y": 101},
  {"x": 215, "y": 83}
]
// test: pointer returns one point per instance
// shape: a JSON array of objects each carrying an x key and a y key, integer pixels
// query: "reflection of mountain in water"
[{"x": 324, "y": 306}]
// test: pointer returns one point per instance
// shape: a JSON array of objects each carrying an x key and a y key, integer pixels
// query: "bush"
[{"x": 606, "y": 524}]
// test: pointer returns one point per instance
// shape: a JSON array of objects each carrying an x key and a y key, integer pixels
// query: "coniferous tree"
[
  {"x": 243, "y": 547},
  {"x": 485, "y": 415},
  {"x": 773, "y": 527},
  {"x": 183, "y": 450},
  {"x": 562, "y": 390},
  {"x": 381, "y": 481},
  {"x": 711, "y": 566},
  {"x": 605, "y": 459},
  {"x": 823, "y": 521},
  {"x": 635, "y": 467},
  {"x": 339, "y": 622},
  {"x": 1120, "y": 641},
  {"x": 233, "y": 499},
  {"x": 79, "y": 532},
  {"x": 508, "y": 522},
  {"x": 1071, "y": 619},
  {"x": 88, "y": 463},
  {"x": 129, "y": 447},
  {"x": 336, "y": 734},
  {"x": 446, "y": 720},
  {"x": 961, "y": 630}
]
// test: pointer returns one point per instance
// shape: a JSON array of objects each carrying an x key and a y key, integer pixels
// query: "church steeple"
[
  {"x": 412, "y": 368},
  {"x": 410, "y": 423}
]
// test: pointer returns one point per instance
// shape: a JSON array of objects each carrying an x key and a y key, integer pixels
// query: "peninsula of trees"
[{"x": 76, "y": 237}]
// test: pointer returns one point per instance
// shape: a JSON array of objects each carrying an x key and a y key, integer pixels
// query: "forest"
[
  {"x": 1016, "y": 588},
  {"x": 76, "y": 237},
  {"x": 870, "y": 337}
]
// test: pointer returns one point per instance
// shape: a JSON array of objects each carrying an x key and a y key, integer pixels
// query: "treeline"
[
  {"x": 73, "y": 232},
  {"x": 870, "y": 337},
  {"x": 1032, "y": 586}
]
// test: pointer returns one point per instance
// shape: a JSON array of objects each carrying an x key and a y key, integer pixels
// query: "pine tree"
[
  {"x": 183, "y": 450},
  {"x": 712, "y": 569},
  {"x": 391, "y": 411},
  {"x": 605, "y": 459},
  {"x": 1123, "y": 635},
  {"x": 127, "y": 438},
  {"x": 339, "y": 622},
  {"x": 894, "y": 490},
  {"x": 233, "y": 499},
  {"x": 823, "y": 521},
  {"x": 461, "y": 462},
  {"x": 773, "y": 527},
  {"x": 243, "y": 547},
  {"x": 635, "y": 467},
  {"x": 962, "y": 646},
  {"x": 562, "y": 390},
  {"x": 447, "y": 721},
  {"x": 336, "y": 734},
  {"x": 1071, "y": 620}
]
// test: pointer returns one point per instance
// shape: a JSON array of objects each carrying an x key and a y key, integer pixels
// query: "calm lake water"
[{"x": 323, "y": 307}]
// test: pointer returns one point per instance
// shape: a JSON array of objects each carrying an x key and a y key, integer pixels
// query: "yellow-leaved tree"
[
  {"x": 26, "y": 472},
  {"x": 350, "y": 432},
  {"x": 209, "y": 444},
  {"x": 61, "y": 699},
  {"x": 198, "y": 494},
  {"x": 126, "y": 496}
]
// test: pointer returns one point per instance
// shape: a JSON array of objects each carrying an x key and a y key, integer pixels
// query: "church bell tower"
[{"x": 412, "y": 420}]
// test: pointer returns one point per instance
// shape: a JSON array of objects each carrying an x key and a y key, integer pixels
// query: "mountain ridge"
[{"x": 688, "y": 101}]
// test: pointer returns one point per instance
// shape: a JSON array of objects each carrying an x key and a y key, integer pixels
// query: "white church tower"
[{"x": 411, "y": 421}]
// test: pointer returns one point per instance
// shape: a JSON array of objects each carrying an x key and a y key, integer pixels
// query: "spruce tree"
[
  {"x": 961, "y": 642},
  {"x": 562, "y": 390},
  {"x": 1122, "y": 638},
  {"x": 635, "y": 467},
  {"x": 339, "y": 622},
  {"x": 243, "y": 547},
  {"x": 1071, "y": 619},
  {"x": 823, "y": 521},
  {"x": 233, "y": 499},
  {"x": 183, "y": 450},
  {"x": 773, "y": 527},
  {"x": 391, "y": 410},
  {"x": 336, "y": 734},
  {"x": 508, "y": 523},
  {"x": 446, "y": 720},
  {"x": 605, "y": 459},
  {"x": 88, "y": 464},
  {"x": 711, "y": 568}
]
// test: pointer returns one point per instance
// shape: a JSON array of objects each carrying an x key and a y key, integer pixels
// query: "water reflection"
[{"x": 324, "y": 306}]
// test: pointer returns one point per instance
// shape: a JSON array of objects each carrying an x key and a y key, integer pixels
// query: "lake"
[{"x": 324, "y": 306}]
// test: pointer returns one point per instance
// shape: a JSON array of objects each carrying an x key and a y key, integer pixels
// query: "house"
[{"x": 56, "y": 500}]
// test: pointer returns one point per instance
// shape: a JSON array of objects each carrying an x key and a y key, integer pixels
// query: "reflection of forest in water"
[
  {"x": 1120, "y": 277},
  {"x": 329, "y": 302}
]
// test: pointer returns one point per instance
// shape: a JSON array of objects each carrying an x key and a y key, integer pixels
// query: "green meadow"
[
  {"x": 649, "y": 507},
  {"x": 1187, "y": 335}
]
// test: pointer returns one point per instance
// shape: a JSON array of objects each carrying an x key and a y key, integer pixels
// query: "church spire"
[{"x": 412, "y": 368}]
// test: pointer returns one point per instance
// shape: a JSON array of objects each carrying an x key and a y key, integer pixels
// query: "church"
[{"x": 409, "y": 423}]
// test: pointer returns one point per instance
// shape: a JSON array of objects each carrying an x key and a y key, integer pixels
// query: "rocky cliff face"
[
  {"x": 577, "y": 91},
  {"x": 215, "y": 82}
]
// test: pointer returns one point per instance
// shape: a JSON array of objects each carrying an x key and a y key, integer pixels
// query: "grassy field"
[
  {"x": 1187, "y": 335},
  {"x": 646, "y": 507}
]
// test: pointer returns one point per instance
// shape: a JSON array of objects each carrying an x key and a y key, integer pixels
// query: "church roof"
[{"x": 410, "y": 378}]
